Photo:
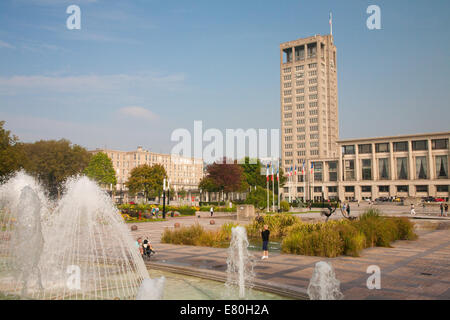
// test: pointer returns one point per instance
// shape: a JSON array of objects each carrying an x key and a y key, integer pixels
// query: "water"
[
  {"x": 239, "y": 263},
  {"x": 182, "y": 287},
  {"x": 324, "y": 285},
  {"x": 81, "y": 249}
]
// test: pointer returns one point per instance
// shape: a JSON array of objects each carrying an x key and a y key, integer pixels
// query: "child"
[{"x": 265, "y": 238}]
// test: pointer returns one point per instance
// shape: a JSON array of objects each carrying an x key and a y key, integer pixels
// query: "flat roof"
[{"x": 405, "y": 136}]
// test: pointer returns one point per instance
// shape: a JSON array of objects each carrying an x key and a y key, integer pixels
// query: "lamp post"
[{"x": 164, "y": 199}]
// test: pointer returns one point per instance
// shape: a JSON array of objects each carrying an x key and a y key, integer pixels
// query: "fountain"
[
  {"x": 81, "y": 250},
  {"x": 323, "y": 284},
  {"x": 239, "y": 263}
]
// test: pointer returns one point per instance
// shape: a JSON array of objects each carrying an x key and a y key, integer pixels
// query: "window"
[
  {"x": 349, "y": 189},
  {"x": 366, "y": 169},
  {"x": 314, "y": 128},
  {"x": 441, "y": 167},
  {"x": 349, "y": 149},
  {"x": 402, "y": 188},
  {"x": 332, "y": 171},
  {"x": 318, "y": 189},
  {"x": 402, "y": 168},
  {"x": 301, "y": 106},
  {"x": 365, "y": 148},
  {"x": 300, "y": 189},
  {"x": 332, "y": 189},
  {"x": 383, "y": 188},
  {"x": 287, "y": 70},
  {"x": 421, "y": 168},
  {"x": 366, "y": 189},
  {"x": 420, "y": 145},
  {"x": 300, "y": 98},
  {"x": 299, "y": 68},
  {"x": 442, "y": 188},
  {"x": 421, "y": 188},
  {"x": 381, "y": 147},
  {"x": 440, "y": 144},
  {"x": 318, "y": 170},
  {"x": 312, "y": 96},
  {"x": 301, "y": 90},
  {"x": 287, "y": 77},
  {"x": 314, "y": 152},
  {"x": 287, "y": 108},
  {"x": 400, "y": 146},
  {"x": 383, "y": 167},
  {"x": 349, "y": 167}
]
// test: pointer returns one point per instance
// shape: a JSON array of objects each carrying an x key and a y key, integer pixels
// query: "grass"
[
  {"x": 326, "y": 239},
  {"x": 345, "y": 237},
  {"x": 196, "y": 235}
]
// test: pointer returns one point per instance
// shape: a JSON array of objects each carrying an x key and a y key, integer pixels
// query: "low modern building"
[
  {"x": 183, "y": 173},
  {"x": 397, "y": 166}
]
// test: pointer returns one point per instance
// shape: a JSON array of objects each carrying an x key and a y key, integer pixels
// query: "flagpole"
[
  {"x": 312, "y": 172},
  {"x": 273, "y": 191},
  {"x": 267, "y": 186},
  {"x": 278, "y": 182},
  {"x": 331, "y": 23}
]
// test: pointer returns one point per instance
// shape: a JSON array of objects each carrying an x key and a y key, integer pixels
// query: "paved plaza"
[{"x": 409, "y": 270}]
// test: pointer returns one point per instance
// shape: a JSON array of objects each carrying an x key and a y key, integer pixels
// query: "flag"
[
  {"x": 278, "y": 175},
  {"x": 303, "y": 168},
  {"x": 267, "y": 172},
  {"x": 272, "y": 173},
  {"x": 295, "y": 172},
  {"x": 292, "y": 170},
  {"x": 312, "y": 168},
  {"x": 331, "y": 19}
]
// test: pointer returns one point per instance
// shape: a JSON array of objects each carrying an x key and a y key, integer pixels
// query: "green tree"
[
  {"x": 11, "y": 153},
  {"x": 101, "y": 169},
  {"x": 258, "y": 198},
  {"x": 52, "y": 162},
  {"x": 255, "y": 175},
  {"x": 147, "y": 179},
  {"x": 208, "y": 184}
]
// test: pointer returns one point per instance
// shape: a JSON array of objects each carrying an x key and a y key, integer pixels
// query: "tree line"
[{"x": 53, "y": 161}]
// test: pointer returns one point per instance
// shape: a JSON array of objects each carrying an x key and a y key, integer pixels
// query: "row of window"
[
  {"x": 402, "y": 168},
  {"x": 401, "y": 146},
  {"x": 381, "y": 189}
]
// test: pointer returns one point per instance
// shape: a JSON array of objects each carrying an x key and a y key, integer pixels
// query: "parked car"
[
  {"x": 439, "y": 200},
  {"x": 428, "y": 199},
  {"x": 397, "y": 200},
  {"x": 382, "y": 199}
]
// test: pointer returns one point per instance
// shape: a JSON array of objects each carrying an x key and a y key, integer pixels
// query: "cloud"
[
  {"x": 15, "y": 85},
  {"x": 7, "y": 45},
  {"x": 138, "y": 112}
]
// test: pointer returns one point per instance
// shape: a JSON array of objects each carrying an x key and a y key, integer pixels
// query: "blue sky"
[{"x": 139, "y": 69}]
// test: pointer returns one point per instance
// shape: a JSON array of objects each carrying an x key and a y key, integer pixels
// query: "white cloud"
[
  {"x": 138, "y": 112},
  {"x": 86, "y": 83},
  {"x": 7, "y": 45}
]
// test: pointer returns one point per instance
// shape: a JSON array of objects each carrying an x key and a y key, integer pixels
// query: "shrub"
[
  {"x": 196, "y": 235},
  {"x": 278, "y": 225},
  {"x": 284, "y": 206},
  {"x": 405, "y": 229}
]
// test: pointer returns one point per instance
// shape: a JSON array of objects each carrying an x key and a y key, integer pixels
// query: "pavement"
[{"x": 409, "y": 270}]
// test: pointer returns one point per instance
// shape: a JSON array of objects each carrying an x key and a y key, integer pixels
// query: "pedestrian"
[
  {"x": 211, "y": 211},
  {"x": 265, "y": 239},
  {"x": 442, "y": 209},
  {"x": 348, "y": 209},
  {"x": 157, "y": 212},
  {"x": 413, "y": 211},
  {"x": 344, "y": 208},
  {"x": 446, "y": 209},
  {"x": 139, "y": 246}
]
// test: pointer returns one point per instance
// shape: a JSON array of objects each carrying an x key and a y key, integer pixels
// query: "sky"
[{"x": 139, "y": 69}]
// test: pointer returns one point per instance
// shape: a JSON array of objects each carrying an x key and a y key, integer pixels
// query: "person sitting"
[{"x": 148, "y": 249}]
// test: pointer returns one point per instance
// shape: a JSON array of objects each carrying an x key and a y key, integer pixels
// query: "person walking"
[
  {"x": 413, "y": 211},
  {"x": 348, "y": 209},
  {"x": 446, "y": 209},
  {"x": 442, "y": 209},
  {"x": 265, "y": 239},
  {"x": 211, "y": 211}
]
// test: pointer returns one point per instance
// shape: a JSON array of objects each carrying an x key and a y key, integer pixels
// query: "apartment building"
[{"x": 183, "y": 173}]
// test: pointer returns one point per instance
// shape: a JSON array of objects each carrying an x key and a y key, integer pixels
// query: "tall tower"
[{"x": 309, "y": 101}]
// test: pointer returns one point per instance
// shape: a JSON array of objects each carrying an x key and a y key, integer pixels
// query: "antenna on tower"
[{"x": 331, "y": 23}]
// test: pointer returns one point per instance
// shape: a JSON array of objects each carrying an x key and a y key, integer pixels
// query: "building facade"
[
  {"x": 355, "y": 169},
  {"x": 183, "y": 173},
  {"x": 309, "y": 100}
]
